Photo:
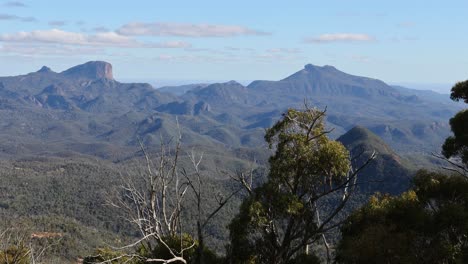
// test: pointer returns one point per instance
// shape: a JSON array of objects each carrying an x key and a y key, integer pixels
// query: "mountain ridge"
[
  {"x": 387, "y": 173},
  {"x": 87, "y": 105}
]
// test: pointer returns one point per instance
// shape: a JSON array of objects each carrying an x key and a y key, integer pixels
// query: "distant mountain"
[
  {"x": 425, "y": 94},
  {"x": 185, "y": 108},
  {"x": 222, "y": 94},
  {"x": 407, "y": 119},
  {"x": 325, "y": 81},
  {"x": 388, "y": 173},
  {"x": 49, "y": 112},
  {"x": 181, "y": 89},
  {"x": 85, "y": 110},
  {"x": 91, "y": 70},
  {"x": 345, "y": 93}
]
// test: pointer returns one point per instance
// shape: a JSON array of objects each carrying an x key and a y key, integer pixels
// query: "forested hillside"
[{"x": 223, "y": 172}]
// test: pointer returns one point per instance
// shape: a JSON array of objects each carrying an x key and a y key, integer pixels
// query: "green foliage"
[
  {"x": 304, "y": 155},
  {"x": 278, "y": 219},
  {"x": 305, "y": 259},
  {"x": 428, "y": 224},
  {"x": 112, "y": 256},
  {"x": 160, "y": 251},
  {"x": 176, "y": 244},
  {"x": 67, "y": 196},
  {"x": 18, "y": 254},
  {"x": 387, "y": 173},
  {"x": 70, "y": 197},
  {"x": 460, "y": 92},
  {"x": 457, "y": 145}
]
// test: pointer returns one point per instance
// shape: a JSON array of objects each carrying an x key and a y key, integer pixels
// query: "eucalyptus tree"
[
  {"x": 309, "y": 182},
  {"x": 456, "y": 146}
]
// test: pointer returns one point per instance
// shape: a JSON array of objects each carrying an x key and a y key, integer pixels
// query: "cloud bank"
[
  {"x": 340, "y": 37},
  {"x": 101, "y": 39},
  {"x": 15, "y": 4},
  {"x": 17, "y": 18},
  {"x": 187, "y": 30}
]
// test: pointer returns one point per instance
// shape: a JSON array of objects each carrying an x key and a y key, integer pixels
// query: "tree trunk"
[{"x": 201, "y": 244}]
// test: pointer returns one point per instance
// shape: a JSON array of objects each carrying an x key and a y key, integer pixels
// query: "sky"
[{"x": 406, "y": 42}]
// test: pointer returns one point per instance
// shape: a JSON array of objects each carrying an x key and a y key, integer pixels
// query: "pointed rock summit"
[
  {"x": 91, "y": 70},
  {"x": 358, "y": 133},
  {"x": 365, "y": 139},
  {"x": 44, "y": 69},
  {"x": 387, "y": 173}
]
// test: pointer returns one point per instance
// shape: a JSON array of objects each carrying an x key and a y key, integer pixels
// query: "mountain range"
[
  {"x": 409, "y": 120},
  {"x": 67, "y": 136},
  {"x": 84, "y": 110}
]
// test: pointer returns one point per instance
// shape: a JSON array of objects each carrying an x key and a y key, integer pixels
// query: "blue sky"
[{"x": 396, "y": 41}]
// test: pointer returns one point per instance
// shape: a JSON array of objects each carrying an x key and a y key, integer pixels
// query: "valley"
[{"x": 69, "y": 140}]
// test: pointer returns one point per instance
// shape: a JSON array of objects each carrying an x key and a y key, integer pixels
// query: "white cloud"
[
  {"x": 57, "y": 23},
  {"x": 18, "y": 18},
  {"x": 15, "y": 4},
  {"x": 340, "y": 37},
  {"x": 398, "y": 39},
  {"x": 360, "y": 58},
  {"x": 186, "y": 30},
  {"x": 194, "y": 58},
  {"x": 111, "y": 39},
  {"x": 406, "y": 24},
  {"x": 34, "y": 50},
  {"x": 232, "y": 48},
  {"x": 210, "y": 51},
  {"x": 284, "y": 50},
  {"x": 101, "y": 39},
  {"x": 238, "y": 49},
  {"x": 101, "y": 29},
  {"x": 170, "y": 45},
  {"x": 47, "y": 36},
  {"x": 8, "y": 17},
  {"x": 274, "y": 55}
]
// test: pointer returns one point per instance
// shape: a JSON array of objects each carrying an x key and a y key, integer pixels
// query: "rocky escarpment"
[{"x": 91, "y": 70}]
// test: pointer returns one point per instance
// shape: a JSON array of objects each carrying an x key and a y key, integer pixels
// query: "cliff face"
[{"x": 91, "y": 70}]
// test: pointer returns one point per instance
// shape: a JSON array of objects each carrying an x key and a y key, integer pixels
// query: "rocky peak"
[
  {"x": 312, "y": 68},
  {"x": 232, "y": 82},
  {"x": 91, "y": 70},
  {"x": 44, "y": 69},
  {"x": 365, "y": 140}
]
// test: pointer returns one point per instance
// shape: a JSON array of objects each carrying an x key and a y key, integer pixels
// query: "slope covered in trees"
[
  {"x": 85, "y": 110},
  {"x": 283, "y": 207},
  {"x": 427, "y": 224}
]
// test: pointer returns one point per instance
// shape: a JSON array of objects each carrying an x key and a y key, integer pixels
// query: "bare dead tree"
[
  {"x": 156, "y": 207},
  {"x": 245, "y": 178},
  {"x": 204, "y": 215}
]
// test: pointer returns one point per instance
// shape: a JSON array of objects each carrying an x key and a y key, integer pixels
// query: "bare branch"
[{"x": 456, "y": 167}]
